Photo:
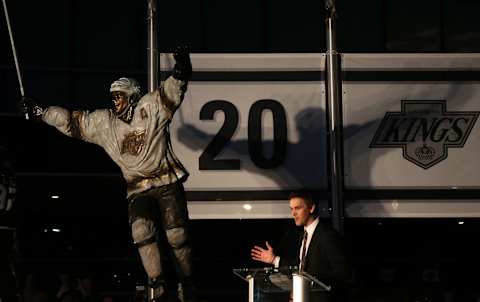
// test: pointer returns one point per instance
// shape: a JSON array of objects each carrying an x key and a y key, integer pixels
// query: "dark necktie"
[{"x": 304, "y": 250}]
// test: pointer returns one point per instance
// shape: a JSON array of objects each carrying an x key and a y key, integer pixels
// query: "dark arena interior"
[{"x": 70, "y": 211}]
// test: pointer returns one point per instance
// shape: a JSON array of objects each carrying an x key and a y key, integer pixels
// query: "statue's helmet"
[{"x": 129, "y": 86}]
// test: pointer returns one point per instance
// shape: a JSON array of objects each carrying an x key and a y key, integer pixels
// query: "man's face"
[
  {"x": 120, "y": 101},
  {"x": 301, "y": 212}
]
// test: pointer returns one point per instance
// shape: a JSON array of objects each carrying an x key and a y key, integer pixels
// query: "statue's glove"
[
  {"x": 183, "y": 66},
  {"x": 30, "y": 107}
]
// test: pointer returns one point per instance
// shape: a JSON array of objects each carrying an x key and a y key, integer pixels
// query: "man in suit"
[{"x": 314, "y": 247}]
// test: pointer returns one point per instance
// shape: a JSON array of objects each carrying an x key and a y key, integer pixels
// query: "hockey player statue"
[{"x": 135, "y": 134}]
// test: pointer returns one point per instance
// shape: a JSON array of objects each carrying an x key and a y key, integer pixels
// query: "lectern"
[{"x": 268, "y": 281}]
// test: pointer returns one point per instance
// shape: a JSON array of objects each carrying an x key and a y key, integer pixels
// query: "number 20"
[{"x": 207, "y": 160}]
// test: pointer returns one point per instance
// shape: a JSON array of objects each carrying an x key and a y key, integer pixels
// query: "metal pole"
[
  {"x": 300, "y": 288},
  {"x": 251, "y": 288},
  {"x": 335, "y": 125},
  {"x": 152, "y": 50},
  {"x": 152, "y": 64}
]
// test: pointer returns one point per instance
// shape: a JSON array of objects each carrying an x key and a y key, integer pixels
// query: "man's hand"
[
  {"x": 30, "y": 107},
  {"x": 183, "y": 66},
  {"x": 264, "y": 255}
]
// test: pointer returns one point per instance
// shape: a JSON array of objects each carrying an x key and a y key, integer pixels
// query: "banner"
[
  {"x": 410, "y": 121},
  {"x": 253, "y": 123},
  {"x": 253, "y": 127}
]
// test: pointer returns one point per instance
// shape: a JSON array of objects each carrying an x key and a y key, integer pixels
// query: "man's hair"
[{"x": 305, "y": 195}]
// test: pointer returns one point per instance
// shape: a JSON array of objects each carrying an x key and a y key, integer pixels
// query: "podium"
[{"x": 270, "y": 280}]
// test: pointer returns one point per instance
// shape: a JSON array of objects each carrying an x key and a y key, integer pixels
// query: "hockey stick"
[{"x": 19, "y": 75}]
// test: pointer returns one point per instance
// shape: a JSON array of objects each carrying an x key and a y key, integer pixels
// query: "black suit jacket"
[{"x": 326, "y": 259}]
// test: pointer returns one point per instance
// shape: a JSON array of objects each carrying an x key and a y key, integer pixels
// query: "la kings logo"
[{"x": 424, "y": 130}]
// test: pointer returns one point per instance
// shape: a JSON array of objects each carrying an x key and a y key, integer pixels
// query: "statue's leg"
[
  {"x": 142, "y": 210},
  {"x": 180, "y": 243},
  {"x": 173, "y": 206}
]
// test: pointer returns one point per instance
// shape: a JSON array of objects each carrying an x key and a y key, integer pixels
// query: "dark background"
[{"x": 71, "y": 50}]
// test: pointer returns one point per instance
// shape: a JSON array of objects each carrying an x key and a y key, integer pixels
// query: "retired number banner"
[{"x": 253, "y": 123}]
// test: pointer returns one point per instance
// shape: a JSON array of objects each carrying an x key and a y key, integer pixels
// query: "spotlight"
[{"x": 247, "y": 207}]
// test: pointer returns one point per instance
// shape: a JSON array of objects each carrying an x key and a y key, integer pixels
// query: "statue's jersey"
[{"x": 141, "y": 148}]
